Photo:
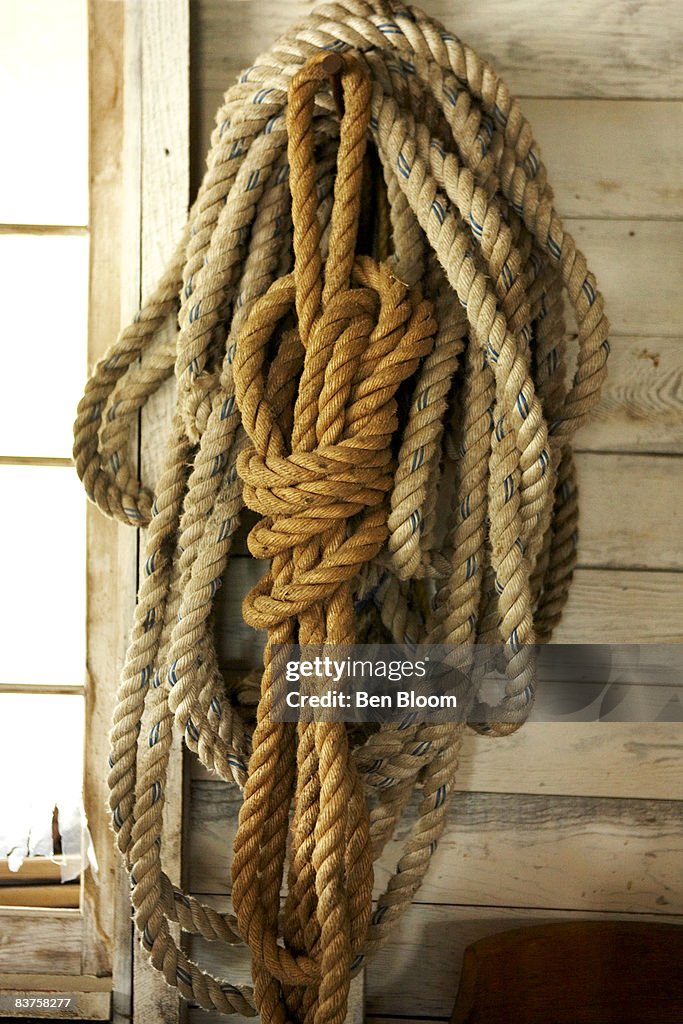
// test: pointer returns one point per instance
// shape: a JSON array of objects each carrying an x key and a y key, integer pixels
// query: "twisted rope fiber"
[{"x": 295, "y": 382}]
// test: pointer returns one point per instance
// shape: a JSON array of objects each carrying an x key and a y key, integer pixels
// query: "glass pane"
[
  {"x": 44, "y": 327},
  {"x": 42, "y": 597},
  {"x": 43, "y": 77},
  {"x": 51, "y": 777}
]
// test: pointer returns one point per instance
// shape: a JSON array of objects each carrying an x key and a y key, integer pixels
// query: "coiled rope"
[{"x": 301, "y": 366}]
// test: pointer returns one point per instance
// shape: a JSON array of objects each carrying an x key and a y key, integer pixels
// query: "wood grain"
[
  {"x": 590, "y": 759},
  {"x": 163, "y": 28},
  {"x": 37, "y": 870},
  {"x": 541, "y": 49},
  {"x": 638, "y": 264},
  {"x": 505, "y": 849},
  {"x": 630, "y": 511},
  {"x": 112, "y": 549},
  {"x": 47, "y": 941},
  {"x": 624, "y": 606},
  {"x": 641, "y": 408},
  {"x": 66, "y": 896},
  {"x": 599, "y": 153}
]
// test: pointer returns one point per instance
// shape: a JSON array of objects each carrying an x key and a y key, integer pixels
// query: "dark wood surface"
[{"x": 593, "y": 972}]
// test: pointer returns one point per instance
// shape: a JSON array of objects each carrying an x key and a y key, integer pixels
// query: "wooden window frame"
[{"x": 139, "y": 187}]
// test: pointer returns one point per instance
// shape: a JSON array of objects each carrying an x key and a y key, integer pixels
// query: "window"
[
  {"x": 56, "y": 898},
  {"x": 69, "y": 595},
  {"x": 44, "y": 267}
]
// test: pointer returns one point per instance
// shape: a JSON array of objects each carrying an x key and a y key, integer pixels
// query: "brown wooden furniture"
[{"x": 591, "y": 972}]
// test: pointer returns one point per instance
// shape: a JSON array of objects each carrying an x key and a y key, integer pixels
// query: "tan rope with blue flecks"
[{"x": 481, "y": 523}]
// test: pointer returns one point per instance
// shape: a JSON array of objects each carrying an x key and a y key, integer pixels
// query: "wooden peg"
[{"x": 332, "y": 66}]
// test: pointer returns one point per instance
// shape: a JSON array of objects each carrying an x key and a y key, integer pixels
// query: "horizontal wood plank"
[
  {"x": 592, "y": 759},
  {"x": 55, "y": 982},
  {"x": 630, "y": 511},
  {"x": 505, "y": 850},
  {"x": 38, "y": 870},
  {"x": 640, "y": 411},
  {"x": 541, "y": 49},
  {"x": 600, "y": 153},
  {"x": 48, "y": 940},
  {"x": 67, "y": 896},
  {"x": 641, "y": 407},
  {"x": 638, "y": 265},
  {"x": 621, "y": 607},
  {"x": 416, "y": 974}
]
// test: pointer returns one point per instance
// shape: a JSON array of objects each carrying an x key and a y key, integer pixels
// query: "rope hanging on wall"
[{"x": 372, "y": 356}]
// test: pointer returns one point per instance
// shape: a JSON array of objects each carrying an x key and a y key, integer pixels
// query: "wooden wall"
[{"x": 560, "y": 821}]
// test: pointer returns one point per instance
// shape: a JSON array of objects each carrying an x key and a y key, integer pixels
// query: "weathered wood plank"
[
  {"x": 505, "y": 850},
  {"x": 599, "y": 154},
  {"x": 49, "y": 941},
  {"x": 630, "y": 511},
  {"x": 164, "y": 32},
  {"x": 112, "y": 548},
  {"x": 540, "y": 49},
  {"x": 639, "y": 265},
  {"x": 622, "y": 607},
  {"x": 38, "y": 871},
  {"x": 65, "y": 896},
  {"x": 591, "y": 759},
  {"x": 416, "y": 975},
  {"x": 641, "y": 408}
]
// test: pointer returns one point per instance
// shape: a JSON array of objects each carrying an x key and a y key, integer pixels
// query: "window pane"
[
  {"x": 50, "y": 777},
  {"x": 42, "y": 597},
  {"x": 44, "y": 328},
  {"x": 43, "y": 77}
]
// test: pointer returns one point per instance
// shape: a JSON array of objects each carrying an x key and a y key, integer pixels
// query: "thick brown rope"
[
  {"x": 468, "y": 538},
  {"x": 360, "y": 343}
]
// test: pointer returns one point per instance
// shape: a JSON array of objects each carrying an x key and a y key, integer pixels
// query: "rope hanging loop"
[{"x": 320, "y": 478}]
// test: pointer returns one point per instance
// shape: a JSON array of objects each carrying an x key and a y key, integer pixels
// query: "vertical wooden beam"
[
  {"x": 163, "y": 27},
  {"x": 111, "y": 548}
]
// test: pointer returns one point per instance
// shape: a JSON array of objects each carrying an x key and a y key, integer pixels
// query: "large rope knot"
[{"x": 362, "y": 345}]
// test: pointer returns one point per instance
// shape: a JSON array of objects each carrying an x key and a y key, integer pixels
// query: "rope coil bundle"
[{"x": 400, "y": 420}]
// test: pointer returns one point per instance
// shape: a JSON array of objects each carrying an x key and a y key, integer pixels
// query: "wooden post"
[{"x": 160, "y": 29}]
